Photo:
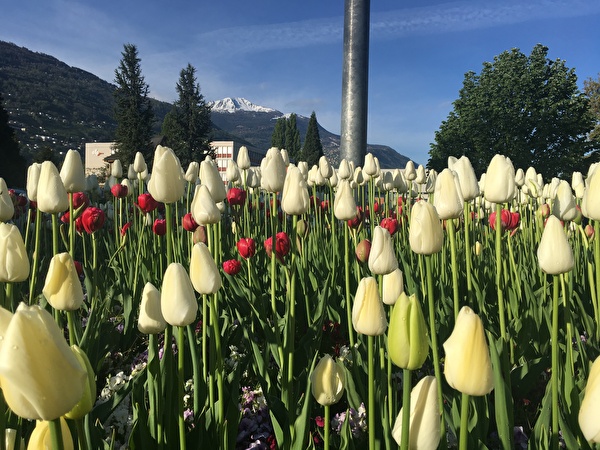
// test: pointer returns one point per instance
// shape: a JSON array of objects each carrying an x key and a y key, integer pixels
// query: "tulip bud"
[
  {"x": 139, "y": 165},
  {"x": 72, "y": 172},
  {"x": 88, "y": 399},
  {"x": 325, "y": 168},
  {"x": 204, "y": 208},
  {"x": 564, "y": 206},
  {"x": 209, "y": 176},
  {"x": 589, "y": 410},
  {"x": 151, "y": 320},
  {"x": 500, "y": 184},
  {"x": 368, "y": 315},
  {"x": 382, "y": 259},
  {"x": 41, "y": 438},
  {"x": 33, "y": 176},
  {"x": 448, "y": 199},
  {"x": 188, "y": 223},
  {"x": 232, "y": 173},
  {"x": 478, "y": 248},
  {"x": 421, "y": 177},
  {"x": 327, "y": 381},
  {"x": 555, "y": 255},
  {"x": 131, "y": 173},
  {"x": 344, "y": 171},
  {"x": 200, "y": 235},
  {"x": 344, "y": 206},
  {"x": 273, "y": 171},
  {"x": 14, "y": 262},
  {"x": 590, "y": 204},
  {"x": 294, "y": 199},
  {"x": 358, "y": 177},
  {"x": 232, "y": 267},
  {"x": 407, "y": 335},
  {"x": 177, "y": 300},
  {"x": 40, "y": 376},
  {"x": 424, "y": 427},
  {"x": 369, "y": 167},
  {"x": 7, "y": 208},
  {"x": 159, "y": 227},
  {"x": 166, "y": 183},
  {"x": 62, "y": 288},
  {"x": 10, "y": 442},
  {"x": 191, "y": 175},
  {"x": 246, "y": 247},
  {"x": 519, "y": 177},
  {"x": 116, "y": 169},
  {"x": 467, "y": 366},
  {"x": 282, "y": 246},
  {"x": 425, "y": 233},
  {"x": 203, "y": 270},
  {"x": 390, "y": 224},
  {"x": 392, "y": 286},
  {"x": 146, "y": 203},
  {"x": 363, "y": 250},
  {"x": 52, "y": 196},
  {"x": 409, "y": 171},
  {"x": 243, "y": 159}
]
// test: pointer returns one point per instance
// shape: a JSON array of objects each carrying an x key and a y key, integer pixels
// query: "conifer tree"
[
  {"x": 187, "y": 126},
  {"x": 278, "y": 136},
  {"x": 313, "y": 149},
  {"x": 13, "y": 167},
  {"x": 133, "y": 110},
  {"x": 292, "y": 138}
]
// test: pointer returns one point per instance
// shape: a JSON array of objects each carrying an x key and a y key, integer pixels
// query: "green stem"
[
  {"x": 169, "y": 234},
  {"x": 371, "y": 392},
  {"x": 468, "y": 251},
  {"x": 56, "y": 434},
  {"x": 347, "y": 282},
  {"x": 452, "y": 235},
  {"x": 406, "y": 388},
  {"x": 71, "y": 227},
  {"x": 83, "y": 444},
  {"x": 499, "y": 292},
  {"x": 326, "y": 427},
  {"x": 554, "y": 379},
  {"x": 219, "y": 362},
  {"x": 180, "y": 385},
  {"x": 36, "y": 253},
  {"x": 464, "y": 421},
  {"x": 54, "y": 234}
]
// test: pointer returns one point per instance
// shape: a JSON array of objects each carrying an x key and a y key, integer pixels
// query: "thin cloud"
[{"x": 448, "y": 17}]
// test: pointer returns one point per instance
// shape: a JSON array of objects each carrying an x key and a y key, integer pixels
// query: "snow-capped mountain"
[{"x": 232, "y": 105}]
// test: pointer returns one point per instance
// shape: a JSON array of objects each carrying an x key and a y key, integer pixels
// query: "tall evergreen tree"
[
  {"x": 133, "y": 110},
  {"x": 292, "y": 138},
  {"x": 187, "y": 126},
  {"x": 591, "y": 88},
  {"x": 313, "y": 149},
  {"x": 13, "y": 167},
  {"x": 528, "y": 108},
  {"x": 278, "y": 136}
]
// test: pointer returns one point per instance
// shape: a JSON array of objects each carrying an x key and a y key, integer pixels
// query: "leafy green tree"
[
  {"x": 278, "y": 136},
  {"x": 133, "y": 110},
  {"x": 187, "y": 126},
  {"x": 13, "y": 168},
  {"x": 292, "y": 138},
  {"x": 591, "y": 88},
  {"x": 528, "y": 108},
  {"x": 313, "y": 149}
]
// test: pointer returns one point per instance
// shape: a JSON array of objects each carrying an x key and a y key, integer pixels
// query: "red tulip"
[
  {"x": 65, "y": 217},
  {"x": 146, "y": 203},
  {"x": 92, "y": 219},
  {"x": 124, "y": 229},
  {"x": 78, "y": 267},
  {"x": 325, "y": 206},
  {"x": 159, "y": 227},
  {"x": 79, "y": 225},
  {"x": 246, "y": 247},
  {"x": 355, "y": 223},
  {"x": 79, "y": 199},
  {"x": 282, "y": 245},
  {"x": 389, "y": 224},
  {"x": 188, "y": 222},
  {"x": 236, "y": 196},
  {"x": 232, "y": 267},
  {"x": 509, "y": 220},
  {"x": 119, "y": 190}
]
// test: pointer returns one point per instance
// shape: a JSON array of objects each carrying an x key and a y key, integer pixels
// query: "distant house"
[
  {"x": 228, "y": 150},
  {"x": 95, "y": 157}
]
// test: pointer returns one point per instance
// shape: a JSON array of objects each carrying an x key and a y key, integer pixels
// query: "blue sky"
[{"x": 287, "y": 55}]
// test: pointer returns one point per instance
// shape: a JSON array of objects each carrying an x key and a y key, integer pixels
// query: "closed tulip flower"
[
  {"x": 41, "y": 437},
  {"x": 467, "y": 366},
  {"x": 191, "y": 174},
  {"x": 139, "y": 164},
  {"x": 209, "y": 176},
  {"x": 368, "y": 315},
  {"x": 62, "y": 288},
  {"x": 555, "y": 255},
  {"x": 382, "y": 259},
  {"x": 151, "y": 320},
  {"x": 327, "y": 381},
  {"x": 425, "y": 421},
  {"x": 232, "y": 267},
  {"x": 14, "y": 262},
  {"x": 590, "y": 406},
  {"x": 177, "y": 300},
  {"x": 243, "y": 159},
  {"x": 204, "y": 273},
  {"x": 40, "y": 376},
  {"x": 500, "y": 186},
  {"x": 204, "y": 209},
  {"x": 273, "y": 171},
  {"x": 7, "y": 208},
  {"x": 410, "y": 173},
  {"x": 467, "y": 179},
  {"x": 246, "y": 247},
  {"x": 407, "y": 334},
  {"x": 92, "y": 219},
  {"x": 392, "y": 286},
  {"x": 369, "y": 167},
  {"x": 590, "y": 205},
  {"x": 294, "y": 199},
  {"x": 564, "y": 206},
  {"x": 72, "y": 172},
  {"x": 166, "y": 183},
  {"x": 52, "y": 195},
  {"x": 448, "y": 198},
  {"x": 425, "y": 233},
  {"x": 232, "y": 173},
  {"x": 116, "y": 169},
  {"x": 344, "y": 172},
  {"x": 33, "y": 176},
  {"x": 421, "y": 177},
  {"x": 344, "y": 206},
  {"x": 11, "y": 442}
]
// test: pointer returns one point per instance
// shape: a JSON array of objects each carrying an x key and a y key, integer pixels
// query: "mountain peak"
[{"x": 232, "y": 105}]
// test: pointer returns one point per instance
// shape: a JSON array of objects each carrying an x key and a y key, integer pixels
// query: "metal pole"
[{"x": 355, "y": 81}]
